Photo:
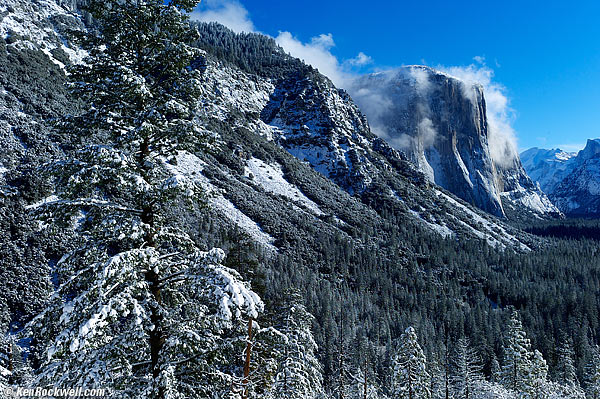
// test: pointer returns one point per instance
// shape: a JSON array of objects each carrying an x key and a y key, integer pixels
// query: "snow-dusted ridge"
[
  {"x": 484, "y": 227},
  {"x": 572, "y": 180},
  {"x": 320, "y": 125}
]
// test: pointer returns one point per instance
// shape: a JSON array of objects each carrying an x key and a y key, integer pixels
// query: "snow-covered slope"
[
  {"x": 44, "y": 28},
  {"x": 571, "y": 180},
  {"x": 33, "y": 51},
  {"x": 441, "y": 122}
]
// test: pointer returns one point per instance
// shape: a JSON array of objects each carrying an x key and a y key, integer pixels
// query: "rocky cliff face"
[
  {"x": 441, "y": 123},
  {"x": 572, "y": 181},
  {"x": 319, "y": 124}
]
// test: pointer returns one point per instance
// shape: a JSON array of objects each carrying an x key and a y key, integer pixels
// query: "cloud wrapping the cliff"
[
  {"x": 382, "y": 99},
  {"x": 502, "y": 137},
  {"x": 376, "y": 104}
]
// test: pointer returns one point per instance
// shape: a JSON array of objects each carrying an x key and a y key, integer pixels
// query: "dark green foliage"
[
  {"x": 396, "y": 274},
  {"x": 251, "y": 52}
]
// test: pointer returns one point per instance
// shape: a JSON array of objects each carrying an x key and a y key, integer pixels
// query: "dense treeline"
[
  {"x": 567, "y": 229},
  {"x": 254, "y": 53},
  {"x": 387, "y": 273}
]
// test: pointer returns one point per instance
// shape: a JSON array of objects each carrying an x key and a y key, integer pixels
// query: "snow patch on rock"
[
  {"x": 271, "y": 179},
  {"x": 440, "y": 229},
  {"x": 494, "y": 233},
  {"x": 191, "y": 166}
]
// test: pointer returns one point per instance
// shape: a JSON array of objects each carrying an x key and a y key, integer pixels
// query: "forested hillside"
[{"x": 197, "y": 214}]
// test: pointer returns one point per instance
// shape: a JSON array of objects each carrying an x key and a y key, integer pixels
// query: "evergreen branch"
[{"x": 86, "y": 202}]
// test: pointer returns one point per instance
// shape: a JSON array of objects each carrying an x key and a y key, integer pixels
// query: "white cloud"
[
  {"x": 317, "y": 53},
  {"x": 227, "y": 12},
  {"x": 502, "y": 137},
  {"x": 427, "y": 133},
  {"x": 360, "y": 60},
  {"x": 376, "y": 104},
  {"x": 421, "y": 76},
  {"x": 479, "y": 59}
]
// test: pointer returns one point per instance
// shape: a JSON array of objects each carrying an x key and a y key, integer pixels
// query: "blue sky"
[{"x": 542, "y": 58}]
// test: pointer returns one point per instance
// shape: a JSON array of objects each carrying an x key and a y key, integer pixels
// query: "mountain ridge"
[{"x": 570, "y": 179}]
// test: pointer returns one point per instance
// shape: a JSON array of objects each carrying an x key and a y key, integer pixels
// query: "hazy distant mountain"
[{"x": 572, "y": 180}]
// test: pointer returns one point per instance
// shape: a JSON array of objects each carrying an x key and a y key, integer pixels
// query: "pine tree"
[
  {"x": 342, "y": 370},
  {"x": 438, "y": 374},
  {"x": 592, "y": 374},
  {"x": 466, "y": 369},
  {"x": 140, "y": 309},
  {"x": 6, "y": 361},
  {"x": 299, "y": 372},
  {"x": 362, "y": 385},
  {"x": 517, "y": 356},
  {"x": 410, "y": 377},
  {"x": 495, "y": 369},
  {"x": 538, "y": 377},
  {"x": 566, "y": 372}
]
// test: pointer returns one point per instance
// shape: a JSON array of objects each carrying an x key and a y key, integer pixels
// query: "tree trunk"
[
  {"x": 155, "y": 337},
  {"x": 247, "y": 362},
  {"x": 366, "y": 380},
  {"x": 11, "y": 366},
  {"x": 341, "y": 358}
]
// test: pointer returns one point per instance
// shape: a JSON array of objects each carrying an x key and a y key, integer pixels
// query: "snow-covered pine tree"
[
  {"x": 140, "y": 309},
  {"x": 362, "y": 385},
  {"x": 439, "y": 376},
  {"x": 538, "y": 386},
  {"x": 558, "y": 391},
  {"x": 6, "y": 353},
  {"x": 495, "y": 369},
  {"x": 253, "y": 360},
  {"x": 299, "y": 374},
  {"x": 517, "y": 356},
  {"x": 410, "y": 378},
  {"x": 566, "y": 372},
  {"x": 592, "y": 374},
  {"x": 342, "y": 368},
  {"x": 466, "y": 369}
]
